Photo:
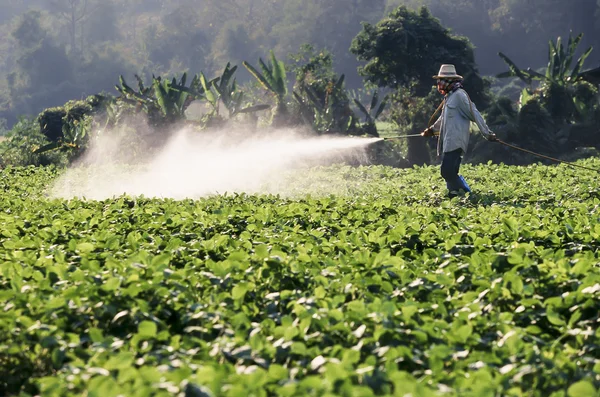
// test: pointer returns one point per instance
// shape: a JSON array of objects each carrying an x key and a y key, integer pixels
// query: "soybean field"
[{"x": 358, "y": 281}]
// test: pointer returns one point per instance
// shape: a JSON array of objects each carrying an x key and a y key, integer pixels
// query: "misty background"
[{"x": 52, "y": 51}]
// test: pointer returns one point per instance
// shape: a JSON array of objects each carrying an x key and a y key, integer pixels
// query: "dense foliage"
[
  {"x": 557, "y": 113},
  {"x": 89, "y": 42},
  {"x": 381, "y": 288}
]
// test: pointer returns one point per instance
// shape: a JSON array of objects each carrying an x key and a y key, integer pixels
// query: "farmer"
[{"x": 453, "y": 126}]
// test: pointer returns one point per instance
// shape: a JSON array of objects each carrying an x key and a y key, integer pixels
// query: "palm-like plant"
[
  {"x": 326, "y": 110},
  {"x": 171, "y": 101},
  {"x": 564, "y": 101},
  {"x": 558, "y": 70},
  {"x": 164, "y": 102},
  {"x": 274, "y": 79},
  {"x": 560, "y": 75},
  {"x": 372, "y": 113},
  {"x": 231, "y": 96}
]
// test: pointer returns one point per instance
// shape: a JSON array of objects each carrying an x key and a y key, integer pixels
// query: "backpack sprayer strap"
[{"x": 431, "y": 119}]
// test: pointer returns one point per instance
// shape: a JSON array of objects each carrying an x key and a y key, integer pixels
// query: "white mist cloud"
[{"x": 194, "y": 164}]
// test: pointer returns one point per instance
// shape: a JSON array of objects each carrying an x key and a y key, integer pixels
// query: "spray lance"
[{"x": 407, "y": 136}]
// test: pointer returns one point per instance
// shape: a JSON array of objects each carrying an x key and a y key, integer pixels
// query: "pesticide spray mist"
[{"x": 192, "y": 164}]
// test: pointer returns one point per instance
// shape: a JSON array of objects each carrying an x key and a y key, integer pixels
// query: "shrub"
[{"x": 25, "y": 137}]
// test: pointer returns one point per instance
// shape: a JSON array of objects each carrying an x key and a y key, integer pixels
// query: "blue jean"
[{"x": 449, "y": 169}]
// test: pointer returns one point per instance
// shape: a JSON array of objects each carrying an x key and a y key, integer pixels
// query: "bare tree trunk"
[
  {"x": 73, "y": 28},
  {"x": 82, "y": 39}
]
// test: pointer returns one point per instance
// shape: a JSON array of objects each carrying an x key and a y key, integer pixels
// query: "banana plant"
[
  {"x": 274, "y": 79},
  {"x": 372, "y": 113},
  {"x": 232, "y": 97},
  {"x": 558, "y": 70},
  {"x": 165, "y": 101},
  {"x": 141, "y": 97},
  {"x": 327, "y": 111},
  {"x": 171, "y": 101},
  {"x": 558, "y": 80}
]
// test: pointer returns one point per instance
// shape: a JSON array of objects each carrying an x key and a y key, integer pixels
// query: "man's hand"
[
  {"x": 428, "y": 132},
  {"x": 492, "y": 137}
]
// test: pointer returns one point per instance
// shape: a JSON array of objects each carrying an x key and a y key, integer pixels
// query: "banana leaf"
[
  {"x": 571, "y": 48},
  {"x": 48, "y": 147},
  {"x": 514, "y": 70},
  {"x": 381, "y": 108},
  {"x": 278, "y": 75},
  {"x": 579, "y": 64},
  {"x": 258, "y": 76},
  {"x": 363, "y": 109},
  {"x": 267, "y": 72},
  {"x": 254, "y": 108},
  {"x": 374, "y": 101},
  {"x": 305, "y": 110},
  {"x": 161, "y": 98}
]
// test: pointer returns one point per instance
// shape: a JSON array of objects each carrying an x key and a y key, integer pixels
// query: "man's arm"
[
  {"x": 469, "y": 110},
  {"x": 430, "y": 131}
]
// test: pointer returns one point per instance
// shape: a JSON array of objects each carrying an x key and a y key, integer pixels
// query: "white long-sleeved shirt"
[{"x": 454, "y": 122}]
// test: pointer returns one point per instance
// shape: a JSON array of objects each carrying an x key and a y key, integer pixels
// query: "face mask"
[{"x": 443, "y": 85}]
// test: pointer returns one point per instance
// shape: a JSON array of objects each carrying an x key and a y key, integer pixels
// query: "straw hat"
[{"x": 447, "y": 72}]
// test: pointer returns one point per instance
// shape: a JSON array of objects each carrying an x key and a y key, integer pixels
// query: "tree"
[
  {"x": 321, "y": 95},
  {"x": 406, "y": 48},
  {"x": 32, "y": 84},
  {"x": 328, "y": 24},
  {"x": 529, "y": 23},
  {"x": 179, "y": 43},
  {"x": 74, "y": 12},
  {"x": 102, "y": 24}
]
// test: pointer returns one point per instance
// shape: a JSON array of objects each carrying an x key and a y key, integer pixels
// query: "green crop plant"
[{"x": 357, "y": 281}]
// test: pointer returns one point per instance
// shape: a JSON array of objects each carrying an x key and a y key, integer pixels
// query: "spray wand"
[
  {"x": 401, "y": 136},
  {"x": 430, "y": 133}
]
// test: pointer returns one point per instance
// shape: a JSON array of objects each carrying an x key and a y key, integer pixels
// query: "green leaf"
[
  {"x": 581, "y": 389},
  {"x": 85, "y": 247},
  {"x": 579, "y": 64},
  {"x": 362, "y": 109},
  {"x": 147, "y": 329},
  {"x": 511, "y": 227},
  {"x": 96, "y": 335},
  {"x": 514, "y": 69},
  {"x": 554, "y": 318},
  {"x": 112, "y": 284},
  {"x": 464, "y": 332},
  {"x": 254, "y": 108},
  {"x": 122, "y": 360},
  {"x": 239, "y": 291},
  {"x": 48, "y": 147},
  {"x": 258, "y": 76}
]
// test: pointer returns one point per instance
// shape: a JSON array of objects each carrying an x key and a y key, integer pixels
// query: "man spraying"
[{"x": 453, "y": 126}]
